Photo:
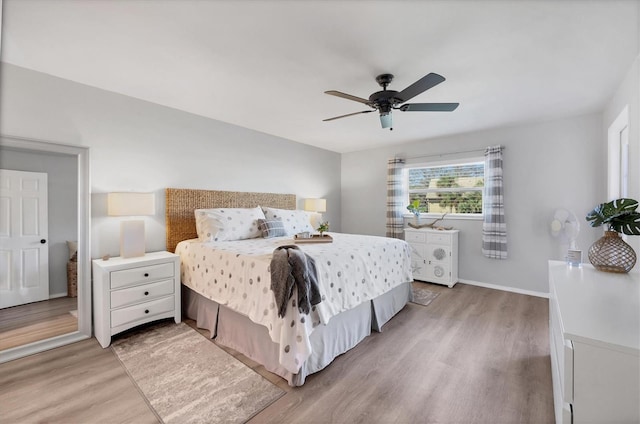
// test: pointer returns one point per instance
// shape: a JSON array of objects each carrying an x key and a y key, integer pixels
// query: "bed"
[{"x": 363, "y": 282}]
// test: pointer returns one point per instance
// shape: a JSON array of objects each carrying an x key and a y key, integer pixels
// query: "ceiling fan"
[{"x": 386, "y": 100}]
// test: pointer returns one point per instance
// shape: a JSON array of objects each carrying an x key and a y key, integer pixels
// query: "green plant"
[
  {"x": 415, "y": 208},
  {"x": 619, "y": 215},
  {"x": 448, "y": 199},
  {"x": 324, "y": 226}
]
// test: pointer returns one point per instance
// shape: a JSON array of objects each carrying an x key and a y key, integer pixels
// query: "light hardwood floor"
[
  {"x": 20, "y": 325},
  {"x": 474, "y": 355}
]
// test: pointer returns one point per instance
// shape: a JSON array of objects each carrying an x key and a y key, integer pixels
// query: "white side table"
[
  {"x": 434, "y": 255},
  {"x": 133, "y": 291}
]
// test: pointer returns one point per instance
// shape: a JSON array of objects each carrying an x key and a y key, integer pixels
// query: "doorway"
[{"x": 618, "y": 156}]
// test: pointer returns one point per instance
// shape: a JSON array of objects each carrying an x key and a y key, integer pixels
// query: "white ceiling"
[{"x": 265, "y": 65}]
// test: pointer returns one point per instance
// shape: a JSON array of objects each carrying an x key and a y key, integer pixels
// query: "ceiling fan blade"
[
  {"x": 349, "y": 114},
  {"x": 423, "y": 84},
  {"x": 348, "y": 96},
  {"x": 429, "y": 107}
]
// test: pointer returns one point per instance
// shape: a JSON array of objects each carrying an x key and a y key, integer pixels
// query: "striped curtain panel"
[
  {"x": 395, "y": 198},
  {"x": 494, "y": 228}
]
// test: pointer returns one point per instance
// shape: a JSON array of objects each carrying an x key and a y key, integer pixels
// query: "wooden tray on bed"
[{"x": 315, "y": 238}]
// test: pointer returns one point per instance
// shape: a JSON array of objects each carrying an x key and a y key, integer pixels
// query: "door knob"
[{"x": 43, "y": 241}]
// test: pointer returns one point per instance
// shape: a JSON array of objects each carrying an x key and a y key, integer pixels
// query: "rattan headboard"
[{"x": 180, "y": 204}]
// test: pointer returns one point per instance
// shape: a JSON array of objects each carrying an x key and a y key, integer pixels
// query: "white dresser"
[
  {"x": 133, "y": 291},
  {"x": 594, "y": 331},
  {"x": 434, "y": 255}
]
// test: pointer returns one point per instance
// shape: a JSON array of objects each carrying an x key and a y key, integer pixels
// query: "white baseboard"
[
  {"x": 57, "y": 295},
  {"x": 504, "y": 288}
]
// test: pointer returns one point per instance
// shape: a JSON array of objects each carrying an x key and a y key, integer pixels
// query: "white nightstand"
[{"x": 133, "y": 291}]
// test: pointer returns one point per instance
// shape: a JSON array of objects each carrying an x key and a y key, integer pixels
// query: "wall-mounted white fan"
[{"x": 565, "y": 227}]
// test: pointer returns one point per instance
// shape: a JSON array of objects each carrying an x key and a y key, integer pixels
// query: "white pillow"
[
  {"x": 294, "y": 221},
  {"x": 73, "y": 250},
  {"x": 227, "y": 224}
]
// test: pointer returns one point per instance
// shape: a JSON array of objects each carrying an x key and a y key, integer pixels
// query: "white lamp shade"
[
  {"x": 315, "y": 205},
  {"x": 131, "y": 204}
]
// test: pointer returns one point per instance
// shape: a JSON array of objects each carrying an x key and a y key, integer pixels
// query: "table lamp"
[
  {"x": 316, "y": 205},
  {"x": 132, "y": 241}
]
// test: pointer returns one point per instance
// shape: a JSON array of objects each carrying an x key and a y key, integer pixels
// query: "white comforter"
[{"x": 351, "y": 270}]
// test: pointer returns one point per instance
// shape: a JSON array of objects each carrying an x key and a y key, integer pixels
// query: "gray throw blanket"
[{"x": 291, "y": 267}]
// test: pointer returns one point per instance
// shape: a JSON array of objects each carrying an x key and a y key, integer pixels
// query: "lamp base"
[
  {"x": 316, "y": 219},
  {"x": 132, "y": 239}
]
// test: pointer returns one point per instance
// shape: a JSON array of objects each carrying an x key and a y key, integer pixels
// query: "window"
[{"x": 452, "y": 188}]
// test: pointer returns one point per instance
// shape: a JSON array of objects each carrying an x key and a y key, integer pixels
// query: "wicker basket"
[
  {"x": 72, "y": 279},
  {"x": 611, "y": 254}
]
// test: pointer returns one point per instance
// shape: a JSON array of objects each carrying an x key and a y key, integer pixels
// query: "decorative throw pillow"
[
  {"x": 294, "y": 221},
  {"x": 271, "y": 228},
  {"x": 73, "y": 250},
  {"x": 227, "y": 224}
]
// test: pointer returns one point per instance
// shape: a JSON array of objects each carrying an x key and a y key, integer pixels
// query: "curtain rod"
[{"x": 449, "y": 154}]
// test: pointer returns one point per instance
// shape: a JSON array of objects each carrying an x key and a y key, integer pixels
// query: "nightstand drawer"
[
  {"x": 438, "y": 238},
  {"x": 143, "y": 293},
  {"x": 142, "y": 274},
  {"x": 143, "y": 310},
  {"x": 415, "y": 237}
]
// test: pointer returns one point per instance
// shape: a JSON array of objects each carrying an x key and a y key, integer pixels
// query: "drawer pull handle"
[
  {"x": 146, "y": 293},
  {"x": 146, "y": 311},
  {"x": 146, "y": 274}
]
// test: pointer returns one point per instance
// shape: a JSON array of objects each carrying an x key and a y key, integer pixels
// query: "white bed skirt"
[{"x": 342, "y": 332}]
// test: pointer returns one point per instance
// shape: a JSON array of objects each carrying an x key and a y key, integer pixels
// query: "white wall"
[
  {"x": 548, "y": 165},
  {"x": 628, "y": 94},
  {"x": 62, "y": 185},
  {"x": 140, "y": 146}
]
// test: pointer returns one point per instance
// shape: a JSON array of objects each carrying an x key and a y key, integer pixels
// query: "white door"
[{"x": 24, "y": 254}]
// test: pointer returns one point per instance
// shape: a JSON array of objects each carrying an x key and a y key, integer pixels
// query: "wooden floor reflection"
[{"x": 20, "y": 325}]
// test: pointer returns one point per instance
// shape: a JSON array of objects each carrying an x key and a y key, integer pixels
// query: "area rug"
[
  {"x": 188, "y": 379},
  {"x": 423, "y": 296}
]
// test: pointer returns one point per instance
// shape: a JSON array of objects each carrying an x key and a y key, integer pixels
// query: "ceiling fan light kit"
[
  {"x": 386, "y": 100},
  {"x": 386, "y": 120}
]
